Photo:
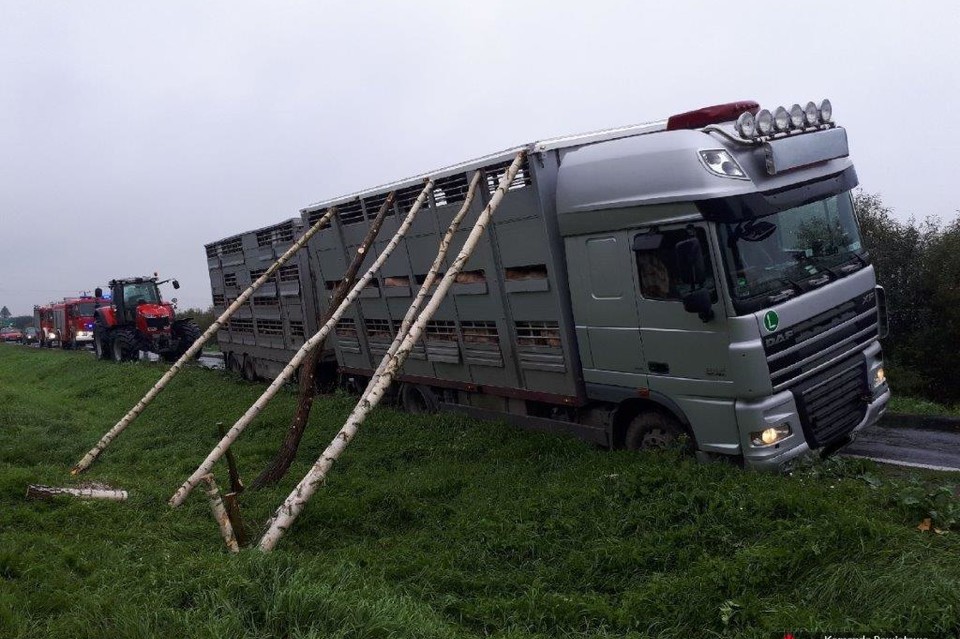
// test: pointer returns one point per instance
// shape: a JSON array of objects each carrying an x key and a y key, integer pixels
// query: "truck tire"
[
  {"x": 101, "y": 345},
  {"x": 249, "y": 369},
  {"x": 124, "y": 344},
  {"x": 655, "y": 430},
  {"x": 418, "y": 399}
]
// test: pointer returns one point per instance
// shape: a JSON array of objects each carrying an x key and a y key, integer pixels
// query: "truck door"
[{"x": 684, "y": 355}]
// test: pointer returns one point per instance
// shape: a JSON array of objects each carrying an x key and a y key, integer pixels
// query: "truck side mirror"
[
  {"x": 98, "y": 292},
  {"x": 698, "y": 302},
  {"x": 176, "y": 284},
  {"x": 692, "y": 269}
]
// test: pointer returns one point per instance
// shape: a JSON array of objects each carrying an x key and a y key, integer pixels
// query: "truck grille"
[
  {"x": 794, "y": 352},
  {"x": 833, "y": 403}
]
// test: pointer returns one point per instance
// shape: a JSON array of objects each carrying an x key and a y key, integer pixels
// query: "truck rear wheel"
[
  {"x": 418, "y": 399},
  {"x": 124, "y": 345},
  {"x": 249, "y": 370},
  {"x": 655, "y": 430}
]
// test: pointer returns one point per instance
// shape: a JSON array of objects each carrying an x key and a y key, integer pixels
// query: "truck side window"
[{"x": 659, "y": 267}]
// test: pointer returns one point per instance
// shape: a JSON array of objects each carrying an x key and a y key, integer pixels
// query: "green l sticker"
[{"x": 771, "y": 321}]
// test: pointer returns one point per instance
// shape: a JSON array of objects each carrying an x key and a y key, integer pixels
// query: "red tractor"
[{"x": 137, "y": 319}]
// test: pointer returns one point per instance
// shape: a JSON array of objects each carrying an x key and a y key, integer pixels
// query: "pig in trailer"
[{"x": 701, "y": 276}]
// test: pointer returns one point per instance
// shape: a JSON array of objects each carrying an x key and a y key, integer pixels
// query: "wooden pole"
[
  {"x": 232, "y": 506},
  {"x": 287, "y": 513},
  {"x": 220, "y": 514},
  {"x": 134, "y": 412},
  {"x": 285, "y": 455},
  {"x": 289, "y": 369},
  {"x": 36, "y": 491},
  {"x": 236, "y": 484}
]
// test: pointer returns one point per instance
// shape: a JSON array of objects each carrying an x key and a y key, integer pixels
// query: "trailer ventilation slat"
[
  {"x": 373, "y": 204},
  {"x": 229, "y": 279},
  {"x": 493, "y": 175},
  {"x": 213, "y": 250},
  {"x": 406, "y": 197},
  {"x": 256, "y": 273},
  {"x": 347, "y": 338},
  {"x": 441, "y": 342},
  {"x": 451, "y": 190},
  {"x": 539, "y": 346},
  {"x": 350, "y": 212},
  {"x": 380, "y": 334},
  {"x": 276, "y": 234},
  {"x": 218, "y": 300},
  {"x": 481, "y": 343},
  {"x": 240, "y": 325},
  {"x": 265, "y": 301},
  {"x": 296, "y": 330},
  {"x": 290, "y": 273},
  {"x": 232, "y": 245},
  {"x": 269, "y": 327}
]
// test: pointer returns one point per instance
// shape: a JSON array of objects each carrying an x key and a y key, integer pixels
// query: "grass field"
[{"x": 440, "y": 527}]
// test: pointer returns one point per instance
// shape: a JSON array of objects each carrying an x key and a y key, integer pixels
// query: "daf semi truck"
[{"x": 698, "y": 279}]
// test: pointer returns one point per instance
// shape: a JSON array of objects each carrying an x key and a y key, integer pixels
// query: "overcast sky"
[{"x": 132, "y": 133}]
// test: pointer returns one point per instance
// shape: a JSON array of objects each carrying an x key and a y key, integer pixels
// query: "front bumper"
[
  {"x": 84, "y": 336},
  {"x": 783, "y": 455}
]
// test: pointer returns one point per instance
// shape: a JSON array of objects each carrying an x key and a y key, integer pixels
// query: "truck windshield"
[
  {"x": 772, "y": 258},
  {"x": 142, "y": 293},
  {"x": 85, "y": 309}
]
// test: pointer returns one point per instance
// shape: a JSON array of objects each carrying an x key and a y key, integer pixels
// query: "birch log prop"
[
  {"x": 36, "y": 491},
  {"x": 194, "y": 349},
  {"x": 289, "y": 369},
  {"x": 220, "y": 514},
  {"x": 301, "y": 416},
  {"x": 432, "y": 275},
  {"x": 287, "y": 513}
]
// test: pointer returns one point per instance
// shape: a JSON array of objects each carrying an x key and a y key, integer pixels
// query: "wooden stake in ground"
[
  {"x": 287, "y": 513},
  {"x": 194, "y": 349},
  {"x": 36, "y": 491},
  {"x": 291, "y": 367},
  {"x": 232, "y": 506},
  {"x": 236, "y": 484},
  {"x": 301, "y": 417},
  {"x": 220, "y": 514}
]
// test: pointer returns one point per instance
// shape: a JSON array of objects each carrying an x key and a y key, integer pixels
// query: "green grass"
[
  {"x": 439, "y": 527},
  {"x": 920, "y": 406}
]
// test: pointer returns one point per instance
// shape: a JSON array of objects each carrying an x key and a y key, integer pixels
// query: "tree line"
[{"x": 918, "y": 264}]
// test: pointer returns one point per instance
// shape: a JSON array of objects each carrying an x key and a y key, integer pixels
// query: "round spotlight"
[
  {"x": 811, "y": 114},
  {"x": 746, "y": 125},
  {"x": 826, "y": 111},
  {"x": 765, "y": 122},
  {"x": 781, "y": 119},
  {"x": 796, "y": 116},
  {"x": 769, "y": 435}
]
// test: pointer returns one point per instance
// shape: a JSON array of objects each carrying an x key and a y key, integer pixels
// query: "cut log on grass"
[
  {"x": 194, "y": 349},
  {"x": 291, "y": 367},
  {"x": 276, "y": 469},
  {"x": 220, "y": 514},
  {"x": 287, "y": 513},
  {"x": 36, "y": 491}
]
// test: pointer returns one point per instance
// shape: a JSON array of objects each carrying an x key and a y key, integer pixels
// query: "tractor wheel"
[
  {"x": 124, "y": 345},
  {"x": 232, "y": 364},
  {"x": 654, "y": 430},
  {"x": 101, "y": 345},
  {"x": 249, "y": 369},
  {"x": 187, "y": 332}
]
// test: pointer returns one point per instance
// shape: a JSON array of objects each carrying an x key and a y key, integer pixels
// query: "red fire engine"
[
  {"x": 43, "y": 320},
  {"x": 73, "y": 321}
]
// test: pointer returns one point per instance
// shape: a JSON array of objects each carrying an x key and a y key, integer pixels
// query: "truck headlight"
[
  {"x": 771, "y": 435},
  {"x": 879, "y": 377}
]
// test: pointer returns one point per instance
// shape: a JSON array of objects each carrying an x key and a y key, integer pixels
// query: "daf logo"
[{"x": 779, "y": 338}]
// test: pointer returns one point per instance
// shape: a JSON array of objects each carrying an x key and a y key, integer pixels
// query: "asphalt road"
[{"x": 936, "y": 449}]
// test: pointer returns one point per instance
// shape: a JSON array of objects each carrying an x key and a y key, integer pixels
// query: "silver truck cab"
[{"x": 717, "y": 269}]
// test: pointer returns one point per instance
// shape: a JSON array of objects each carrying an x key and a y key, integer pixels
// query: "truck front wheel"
[
  {"x": 186, "y": 332},
  {"x": 654, "y": 430}
]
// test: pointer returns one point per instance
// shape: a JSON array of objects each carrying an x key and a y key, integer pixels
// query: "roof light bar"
[{"x": 753, "y": 124}]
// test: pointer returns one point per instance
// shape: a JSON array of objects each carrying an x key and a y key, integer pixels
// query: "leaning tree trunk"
[
  {"x": 191, "y": 482},
  {"x": 134, "y": 412},
  {"x": 276, "y": 469},
  {"x": 287, "y": 513}
]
